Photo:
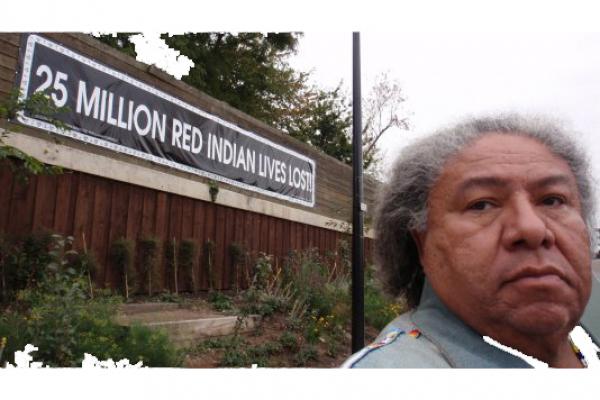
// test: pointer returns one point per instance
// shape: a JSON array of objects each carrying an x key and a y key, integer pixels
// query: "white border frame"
[{"x": 32, "y": 40}]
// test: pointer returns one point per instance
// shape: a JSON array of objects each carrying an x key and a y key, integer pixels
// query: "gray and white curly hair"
[{"x": 402, "y": 204}]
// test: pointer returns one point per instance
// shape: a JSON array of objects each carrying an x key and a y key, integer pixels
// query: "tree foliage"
[
  {"x": 246, "y": 70},
  {"x": 121, "y": 41},
  {"x": 39, "y": 104},
  {"x": 322, "y": 118},
  {"x": 249, "y": 71}
]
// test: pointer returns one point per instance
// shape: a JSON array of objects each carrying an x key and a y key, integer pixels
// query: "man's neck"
[{"x": 555, "y": 350}]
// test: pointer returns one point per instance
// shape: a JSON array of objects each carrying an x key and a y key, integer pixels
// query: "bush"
[
  {"x": 60, "y": 319},
  {"x": 172, "y": 264},
  {"x": 306, "y": 354},
  {"x": 289, "y": 341},
  {"x": 187, "y": 260},
  {"x": 24, "y": 262},
  {"x": 219, "y": 301},
  {"x": 379, "y": 308},
  {"x": 121, "y": 255},
  {"x": 238, "y": 259},
  {"x": 209, "y": 257},
  {"x": 148, "y": 251}
]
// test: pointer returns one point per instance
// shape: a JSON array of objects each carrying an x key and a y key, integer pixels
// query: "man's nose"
[{"x": 525, "y": 225}]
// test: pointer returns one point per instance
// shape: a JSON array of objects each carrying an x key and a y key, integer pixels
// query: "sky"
[
  {"x": 446, "y": 76},
  {"x": 452, "y": 59}
]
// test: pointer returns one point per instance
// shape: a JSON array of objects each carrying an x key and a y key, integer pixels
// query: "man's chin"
[{"x": 541, "y": 319}]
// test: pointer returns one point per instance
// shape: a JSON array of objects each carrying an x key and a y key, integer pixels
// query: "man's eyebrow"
[
  {"x": 552, "y": 180},
  {"x": 481, "y": 181},
  {"x": 493, "y": 181}
]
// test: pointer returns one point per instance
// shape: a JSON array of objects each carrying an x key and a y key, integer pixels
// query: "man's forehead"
[
  {"x": 496, "y": 149},
  {"x": 496, "y": 160}
]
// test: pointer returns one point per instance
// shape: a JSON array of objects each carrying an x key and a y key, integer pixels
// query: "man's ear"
[{"x": 419, "y": 239}]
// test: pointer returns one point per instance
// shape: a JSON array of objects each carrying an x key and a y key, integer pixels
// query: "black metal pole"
[{"x": 358, "y": 298}]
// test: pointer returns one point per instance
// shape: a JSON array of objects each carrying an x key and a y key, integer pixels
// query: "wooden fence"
[{"x": 103, "y": 210}]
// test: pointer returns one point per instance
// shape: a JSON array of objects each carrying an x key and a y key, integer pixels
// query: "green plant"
[
  {"x": 289, "y": 341},
  {"x": 40, "y": 105},
  {"x": 88, "y": 264},
  {"x": 306, "y": 354},
  {"x": 379, "y": 309},
  {"x": 24, "y": 261},
  {"x": 238, "y": 258},
  {"x": 263, "y": 271},
  {"x": 209, "y": 256},
  {"x": 172, "y": 263},
  {"x": 121, "y": 254},
  {"x": 58, "y": 316},
  {"x": 187, "y": 256},
  {"x": 219, "y": 301},
  {"x": 168, "y": 297},
  {"x": 213, "y": 190},
  {"x": 148, "y": 256}
]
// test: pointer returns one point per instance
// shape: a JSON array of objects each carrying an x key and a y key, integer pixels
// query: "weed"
[
  {"x": 59, "y": 317},
  {"x": 121, "y": 254},
  {"x": 289, "y": 341},
  {"x": 219, "y": 301},
  {"x": 306, "y": 354},
  {"x": 187, "y": 260},
  {"x": 148, "y": 256},
  {"x": 209, "y": 257},
  {"x": 172, "y": 263}
]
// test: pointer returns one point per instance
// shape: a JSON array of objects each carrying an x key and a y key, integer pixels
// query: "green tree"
[
  {"x": 322, "y": 118},
  {"x": 39, "y": 104},
  {"x": 249, "y": 71},
  {"x": 120, "y": 41},
  {"x": 246, "y": 70}
]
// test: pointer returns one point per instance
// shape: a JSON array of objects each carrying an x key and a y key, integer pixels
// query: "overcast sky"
[{"x": 447, "y": 76}]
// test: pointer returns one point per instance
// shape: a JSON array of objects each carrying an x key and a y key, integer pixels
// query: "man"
[{"x": 485, "y": 229}]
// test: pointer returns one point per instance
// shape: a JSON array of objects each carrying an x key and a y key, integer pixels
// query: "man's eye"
[
  {"x": 553, "y": 201},
  {"x": 480, "y": 205}
]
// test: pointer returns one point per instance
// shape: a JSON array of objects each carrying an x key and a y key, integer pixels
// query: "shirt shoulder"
[{"x": 400, "y": 345}]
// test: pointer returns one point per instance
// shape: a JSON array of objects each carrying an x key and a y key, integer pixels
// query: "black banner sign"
[{"x": 110, "y": 109}]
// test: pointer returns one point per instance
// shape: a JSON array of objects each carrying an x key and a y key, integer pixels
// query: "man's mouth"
[{"x": 538, "y": 275}]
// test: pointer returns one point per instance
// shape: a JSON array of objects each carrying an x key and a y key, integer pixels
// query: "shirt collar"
[{"x": 458, "y": 343}]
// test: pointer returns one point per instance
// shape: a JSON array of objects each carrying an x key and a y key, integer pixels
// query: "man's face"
[{"x": 506, "y": 246}]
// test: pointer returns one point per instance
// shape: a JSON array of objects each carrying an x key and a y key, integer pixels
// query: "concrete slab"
[
  {"x": 186, "y": 332},
  {"x": 137, "y": 308},
  {"x": 184, "y": 326}
]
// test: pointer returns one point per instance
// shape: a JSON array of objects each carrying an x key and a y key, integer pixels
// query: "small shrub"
[
  {"x": 148, "y": 253},
  {"x": 121, "y": 255},
  {"x": 213, "y": 190},
  {"x": 238, "y": 259},
  {"x": 172, "y": 264},
  {"x": 306, "y": 354},
  {"x": 263, "y": 271},
  {"x": 61, "y": 319},
  {"x": 235, "y": 354},
  {"x": 209, "y": 257},
  {"x": 169, "y": 297},
  {"x": 219, "y": 301},
  {"x": 150, "y": 346},
  {"x": 25, "y": 261},
  {"x": 289, "y": 341},
  {"x": 379, "y": 308},
  {"x": 187, "y": 256}
]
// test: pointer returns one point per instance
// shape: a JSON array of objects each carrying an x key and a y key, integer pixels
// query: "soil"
[{"x": 270, "y": 331}]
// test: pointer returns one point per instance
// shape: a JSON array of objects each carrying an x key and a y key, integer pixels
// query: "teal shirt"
[{"x": 431, "y": 336}]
